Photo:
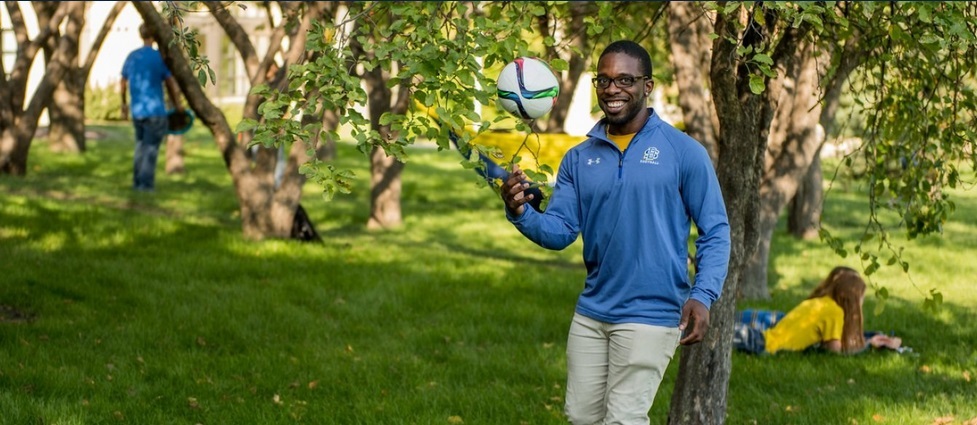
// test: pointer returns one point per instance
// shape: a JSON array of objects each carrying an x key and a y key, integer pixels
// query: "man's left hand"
[{"x": 697, "y": 313}]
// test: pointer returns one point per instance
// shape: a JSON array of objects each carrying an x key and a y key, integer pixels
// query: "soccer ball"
[{"x": 527, "y": 88}]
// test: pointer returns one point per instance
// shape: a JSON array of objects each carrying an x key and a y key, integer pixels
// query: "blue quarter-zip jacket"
[{"x": 635, "y": 210}]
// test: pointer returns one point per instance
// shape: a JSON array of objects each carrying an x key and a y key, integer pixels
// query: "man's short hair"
[
  {"x": 145, "y": 32},
  {"x": 632, "y": 49}
]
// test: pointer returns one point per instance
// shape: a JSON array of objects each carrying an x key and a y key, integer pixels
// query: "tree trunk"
[
  {"x": 704, "y": 368},
  {"x": 804, "y": 211},
  {"x": 794, "y": 140},
  {"x": 20, "y": 123},
  {"x": 794, "y": 146},
  {"x": 385, "y": 170},
  {"x": 14, "y": 148},
  {"x": 385, "y": 190},
  {"x": 175, "y": 163},
  {"x": 804, "y": 215},
  {"x": 67, "y": 111},
  {"x": 66, "y": 133},
  {"x": 688, "y": 33}
]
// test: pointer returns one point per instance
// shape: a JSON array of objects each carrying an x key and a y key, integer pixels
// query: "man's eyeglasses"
[{"x": 623, "y": 81}]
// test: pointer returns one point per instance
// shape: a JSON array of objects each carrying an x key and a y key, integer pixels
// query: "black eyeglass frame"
[{"x": 618, "y": 81}]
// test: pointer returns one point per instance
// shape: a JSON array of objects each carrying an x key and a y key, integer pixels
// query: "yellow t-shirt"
[
  {"x": 621, "y": 140},
  {"x": 812, "y": 321}
]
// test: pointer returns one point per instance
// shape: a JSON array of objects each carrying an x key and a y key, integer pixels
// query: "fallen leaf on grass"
[
  {"x": 878, "y": 418},
  {"x": 966, "y": 375},
  {"x": 193, "y": 403},
  {"x": 455, "y": 420},
  {"x": 924, "y": 369}
]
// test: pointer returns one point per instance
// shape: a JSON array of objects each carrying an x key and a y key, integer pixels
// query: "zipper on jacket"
[{"x": 620, "y": 163}]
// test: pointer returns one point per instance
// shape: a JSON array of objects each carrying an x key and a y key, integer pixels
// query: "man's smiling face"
[{"x": 624, "y": 107}]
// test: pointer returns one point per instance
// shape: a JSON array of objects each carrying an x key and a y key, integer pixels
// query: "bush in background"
[{"x": 103, "y": 103}]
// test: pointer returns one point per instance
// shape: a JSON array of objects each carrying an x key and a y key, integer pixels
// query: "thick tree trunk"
[
  {"x": 804, "y": 214},
  {"x": 812, "y": 98},
  {"x": 794, "y": 141},
  {"x": 66, "y": 133},
  {"x": 66, "y": 113},
  {"x": 705, "y": 368}
]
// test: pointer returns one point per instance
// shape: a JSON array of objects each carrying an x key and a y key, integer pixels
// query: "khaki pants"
[{"x": 614, "y": 370}]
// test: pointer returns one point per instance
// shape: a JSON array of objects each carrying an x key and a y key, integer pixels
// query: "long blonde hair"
[{"x": 845, "y": 286}]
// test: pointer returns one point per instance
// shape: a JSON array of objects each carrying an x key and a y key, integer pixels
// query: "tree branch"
[{"x": 86, "y": 68}]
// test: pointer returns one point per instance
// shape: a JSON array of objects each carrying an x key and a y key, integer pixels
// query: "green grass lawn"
[{"x": 152, "y": 309}]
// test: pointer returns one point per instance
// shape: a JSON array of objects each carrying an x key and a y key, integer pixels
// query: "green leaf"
[
  {"x": 762, "y": 58},
  {"x": 246, "y": 124},
  {"x": 757, "y": 85},
  {"x": 386, "y": 118},
  {"x": 559, "y": 64}
]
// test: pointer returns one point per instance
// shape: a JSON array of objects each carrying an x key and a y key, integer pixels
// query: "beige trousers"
[{"x": 614, "y": 370}]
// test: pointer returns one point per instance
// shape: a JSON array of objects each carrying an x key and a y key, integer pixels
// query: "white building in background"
[{"x": 123, "y": 37}]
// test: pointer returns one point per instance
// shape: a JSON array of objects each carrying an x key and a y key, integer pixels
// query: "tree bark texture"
[
  {"x": 66, "y": 112},
  {"x": 804, "y": 213},
  {"x": 745, "y": 117},
  {"x": 18, "y": 122},
  {"x": 689, "y": 26},
  {"x": 804, "y": 210},
  {"x": 813, "y": 88},
  {"x": 794, "y": 140}
]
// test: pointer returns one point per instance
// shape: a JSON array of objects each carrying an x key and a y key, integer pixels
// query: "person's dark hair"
[
  {"x": 632, "y": 49},
  {"x": 145, "y": 32}
]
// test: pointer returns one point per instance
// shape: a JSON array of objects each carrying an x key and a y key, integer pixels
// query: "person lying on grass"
[{"x": 829, "y": 319}]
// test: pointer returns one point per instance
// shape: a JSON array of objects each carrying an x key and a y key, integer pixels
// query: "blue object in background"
[{"x": 179, "y": 123}]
